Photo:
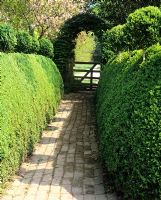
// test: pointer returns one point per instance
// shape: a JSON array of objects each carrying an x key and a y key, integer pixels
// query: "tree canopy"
[{"x": 45, "y": 17}]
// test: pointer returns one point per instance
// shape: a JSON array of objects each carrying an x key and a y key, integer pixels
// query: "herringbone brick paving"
[{"x": 65, "y": 164}]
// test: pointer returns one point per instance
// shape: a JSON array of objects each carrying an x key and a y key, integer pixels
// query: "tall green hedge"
[
  {"x": 31, "y": 88},
  {"x": 129, "y": 123}
]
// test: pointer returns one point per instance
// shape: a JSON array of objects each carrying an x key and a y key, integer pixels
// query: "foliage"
[
  {"x": 153, "y": 50},
  {"x": 143, "y": 27},
  {"x": 116, "y": 11},
  {"x": 8, "y": 39},
  {"x": 46, "y": 47},
  {"x": 31, "y": 88},
  {"x": 129, "y": 123},
  {"x": 44, "y": 17},
  {"x": 35, "y": 45},
  {"x": 65, "y": 43},
  {"x": 85, "y": 46},
  {"x": 113, "y": 41},
  {"x": 141, "y": 31},
  {"x": 24, "y": 42}
]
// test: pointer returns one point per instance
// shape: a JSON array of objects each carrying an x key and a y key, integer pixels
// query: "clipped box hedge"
[
  {"x": 143, "y": 27},
  {"x": 141, "y": 30},
  {"x": 23, "y": 42},
  {"x": 8, "y": 39},
  {"x": 31, "y": 89},
  {"x": 129, "y": 123},
  {"x": 46, "y": 47}
]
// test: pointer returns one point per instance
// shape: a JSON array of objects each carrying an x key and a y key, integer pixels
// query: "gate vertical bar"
[{"x": 91, "y": 80}]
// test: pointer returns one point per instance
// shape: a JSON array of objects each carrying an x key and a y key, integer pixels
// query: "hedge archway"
[{"x": 65, "y": 43}]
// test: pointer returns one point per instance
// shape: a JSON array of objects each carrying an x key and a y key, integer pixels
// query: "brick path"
[{"x": 65, "y": 165}]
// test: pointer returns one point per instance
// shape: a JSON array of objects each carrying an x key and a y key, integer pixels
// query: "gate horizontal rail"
[
  {"x": 77, "y": 62},
  {"x": 96, "y": 78},
  {"x": 85, "y": 70}
]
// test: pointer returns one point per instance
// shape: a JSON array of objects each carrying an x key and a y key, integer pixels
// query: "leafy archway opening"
[
  {"x": 87, "y": 47},
  {"x": 65, "y": 43}
]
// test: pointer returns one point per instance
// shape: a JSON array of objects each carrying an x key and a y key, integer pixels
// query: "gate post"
[
  {"x": 91, "y": 80},
  {"x": 69, "y": 77}
]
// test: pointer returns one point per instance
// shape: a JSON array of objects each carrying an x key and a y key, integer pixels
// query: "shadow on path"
[{"x": 65, "y": 164}]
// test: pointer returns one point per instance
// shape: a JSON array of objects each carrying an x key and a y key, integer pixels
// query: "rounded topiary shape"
[
  {"x": 8, "y": 39},
  {"x": 46, "y": 47},
  {"x": 153, "y": 50},
  {"x": 142, "y": 27},
  {"x": 24, "y": 42},
  {"x": 35, "y": 46},
  {"x": 114, "y": 39}
]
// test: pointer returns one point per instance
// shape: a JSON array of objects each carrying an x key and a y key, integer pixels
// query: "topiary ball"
[
  {"x": 46, "y": 47},
  {"x": 35, "y": 46},
  {"x": 143, "y": 27},
  {"x": 24, "y": 42},
  {"x": 8, "y": 39}
]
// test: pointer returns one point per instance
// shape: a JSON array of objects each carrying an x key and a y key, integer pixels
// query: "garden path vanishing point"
[{"x": 65, "y": 164}]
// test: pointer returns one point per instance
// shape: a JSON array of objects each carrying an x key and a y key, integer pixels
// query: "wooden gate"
[{"x": 86, "y": 78}]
